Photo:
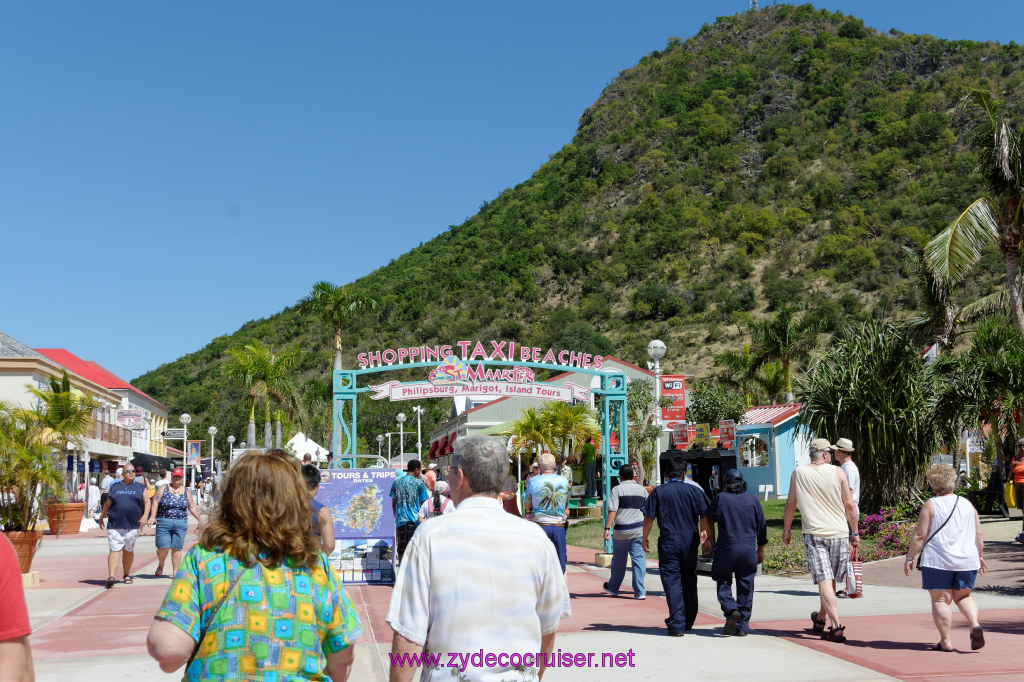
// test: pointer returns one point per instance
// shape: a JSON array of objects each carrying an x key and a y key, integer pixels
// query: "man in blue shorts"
[
  {"x": 407, "y": 494},
  {"x": 127, "y": 506}
]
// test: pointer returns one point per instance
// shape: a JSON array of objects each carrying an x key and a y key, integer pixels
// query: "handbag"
[
  {"x": 213, "y": 614},
  {"x": 855, "y": 576},
  {"x": 1010, "y": 495},
  {"x": 937, "y": 531}
]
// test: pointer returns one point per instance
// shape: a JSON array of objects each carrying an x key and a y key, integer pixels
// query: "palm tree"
[
  {"x": 998, "y": 217},
  {"x": 772, "y": 382},
  {"x": 28, "y": 468},
  {"x": 781, "y": 338},
  {"x": 247, "y": 367},
  {"x": 530, "y": 431},
  {"x": 282, "y": 389},
  {"x": 872, "y": 387},
  {"x": 943, "y": 317},
  {"x": 335, "y": 305},
  {"x": 569, "y": 426},
  {"x": 740, "y": 369},
  {"x": 66, "y": 414}
]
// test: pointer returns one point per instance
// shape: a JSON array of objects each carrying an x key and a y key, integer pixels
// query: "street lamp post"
[
  {"x": 400, "y": 418},
  {"x": 419, "y": 437},
  {"x": 213, "y": 432},
  {"x": 388, "y": 434},
  {"x": 656, "y": 349},
  {"x": 185, "y": 419},
  {"x": 231, "y": 448},
  {"x": 380, "y": 442}
]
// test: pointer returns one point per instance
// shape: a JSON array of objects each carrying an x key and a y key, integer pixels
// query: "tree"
[
  {"x": 943, "y": 317},
  {"x": 265, "y": 376},
  {"x": 569, "y": 426},
  {"x": 530, "y": 431},
  {"x": 712, "y": 402},
  {"x": 28, "y": 468},
  {"x": 782, "y": 338},
  {"x": 772, "y": 382},
  {"x": 998, "y": 217},
  {"x": 246, "y": 367},
  {"x": 741, "y": 369},
  {"x": 335, "y": 305},
  {"x": 872, "y": 387},
  {"x": 643, "y": 431},
  {"x": 66, "y": 414}
]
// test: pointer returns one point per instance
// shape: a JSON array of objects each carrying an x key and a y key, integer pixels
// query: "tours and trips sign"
[
  {"x": 461, "y": 371},
  {"x": 364, "y": 523}
]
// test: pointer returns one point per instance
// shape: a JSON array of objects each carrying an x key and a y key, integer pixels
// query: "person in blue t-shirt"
[
  {"x": 407, "y": 494},
  {"x": 547, "y": 497},
  {"x": 127, "y": 506}
]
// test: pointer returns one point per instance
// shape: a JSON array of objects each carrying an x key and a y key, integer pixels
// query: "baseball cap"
[
  {"x": 433, "y": 465},
  {"x": 820, "y": 445},
  {"x": 733, "y": 476},
  {"x": 1020, "y": 442},
  {"x": 138, "y": 470},
  {"x": 178, "y": 472}
]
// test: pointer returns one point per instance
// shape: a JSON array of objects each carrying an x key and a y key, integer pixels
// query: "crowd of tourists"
[{"x": 258, "y": 589}]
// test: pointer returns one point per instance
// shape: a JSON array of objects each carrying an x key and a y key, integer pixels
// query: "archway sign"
[{"x": 495, "y": 370}]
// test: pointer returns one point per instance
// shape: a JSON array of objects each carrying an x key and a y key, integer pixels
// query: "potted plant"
[
  {"x": 66, "y": 416},
  {"x": 28, "y": 473}
]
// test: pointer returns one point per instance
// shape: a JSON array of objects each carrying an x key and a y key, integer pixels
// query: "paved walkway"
[{"x": 84, "y": 632}]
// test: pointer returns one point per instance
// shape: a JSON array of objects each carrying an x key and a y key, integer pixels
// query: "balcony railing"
[{"x": 111, "y": 433}]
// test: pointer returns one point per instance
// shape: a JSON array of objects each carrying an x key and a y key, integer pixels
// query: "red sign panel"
[{"x": 673, "y": 386}]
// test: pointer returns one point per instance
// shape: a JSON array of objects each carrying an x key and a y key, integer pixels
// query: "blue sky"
[{"x": 169, "y": 171}]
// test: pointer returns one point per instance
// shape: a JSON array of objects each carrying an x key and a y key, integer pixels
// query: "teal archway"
[{"x": 613, "y": 412}]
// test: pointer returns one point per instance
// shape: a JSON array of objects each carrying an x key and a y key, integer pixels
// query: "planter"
[
  {"x": 25, "y": 545},
  {"x": 65, "y": 518}
]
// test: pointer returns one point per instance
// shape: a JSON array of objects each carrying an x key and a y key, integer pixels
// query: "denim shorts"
[
  {"x": 171, "y": 533},
  {"x": 940, "y": 579}
]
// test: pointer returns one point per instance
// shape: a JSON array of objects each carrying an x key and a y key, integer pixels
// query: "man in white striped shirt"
[{"x": 477, "y": 579}]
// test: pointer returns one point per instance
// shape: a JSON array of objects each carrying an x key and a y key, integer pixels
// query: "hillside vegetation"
[{"x": 780, "y": 156}]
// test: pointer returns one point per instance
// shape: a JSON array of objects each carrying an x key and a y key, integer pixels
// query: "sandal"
[
  {"x": 835, "y": 634},
  {"x": 841, "y": 594},
  {"x": 817, "y": 625},
  {"x": 977, "y": 638},
  {"x": 128, "y": 580},
  {"x": 938, "y": 647},
  {"x": 110, "y": 582},
  {"x": 159, "y": 573}
]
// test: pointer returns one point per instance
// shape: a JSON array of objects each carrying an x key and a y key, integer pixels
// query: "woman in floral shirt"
[{"x": 256, "y": 598}]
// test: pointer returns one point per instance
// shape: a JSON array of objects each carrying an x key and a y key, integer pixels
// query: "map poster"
[{"x": 364, "y": 524}]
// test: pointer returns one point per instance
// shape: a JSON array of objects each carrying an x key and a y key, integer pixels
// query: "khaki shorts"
[{"x": 122, "y": 539}]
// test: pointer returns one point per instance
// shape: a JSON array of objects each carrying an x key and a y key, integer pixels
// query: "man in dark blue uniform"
[
  {"x": 678, "y": 508},
  {"x": 742, "y": 535}
]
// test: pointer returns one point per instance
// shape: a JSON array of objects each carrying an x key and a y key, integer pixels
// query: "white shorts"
[{"x": 119, "y": 538}]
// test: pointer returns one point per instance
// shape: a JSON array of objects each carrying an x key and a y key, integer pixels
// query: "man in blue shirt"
[
  {"x": 678, "y": 509},
  {"x": 407, "y": 494},
  {"x": 127, "y": 506},
  {"x": 742, "y": 535},
  {"x": 547, "y": 497}
]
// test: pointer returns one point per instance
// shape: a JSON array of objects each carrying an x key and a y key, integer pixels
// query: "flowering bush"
[{"x": 887, "y": 533}]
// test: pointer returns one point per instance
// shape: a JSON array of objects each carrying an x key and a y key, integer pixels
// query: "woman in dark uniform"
[{"x": 742, "y": 535}]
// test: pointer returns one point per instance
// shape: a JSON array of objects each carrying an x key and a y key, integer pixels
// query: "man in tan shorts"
[{"x": 822, "y": 493}]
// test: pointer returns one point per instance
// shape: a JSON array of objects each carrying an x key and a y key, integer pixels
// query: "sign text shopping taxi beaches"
[{"x": 461, "y": 371}]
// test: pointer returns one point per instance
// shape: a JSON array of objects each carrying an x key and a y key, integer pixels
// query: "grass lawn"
[{"x": 777, "y": 557}]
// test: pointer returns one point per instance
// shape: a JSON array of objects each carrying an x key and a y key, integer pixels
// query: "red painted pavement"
[{"x": 898, "y": 645}]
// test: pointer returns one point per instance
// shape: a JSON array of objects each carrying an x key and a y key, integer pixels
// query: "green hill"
[{"x": 782, "y": 155}]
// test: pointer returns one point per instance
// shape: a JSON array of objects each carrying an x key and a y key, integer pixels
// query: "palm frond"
[{"x": 951, "y": 253}]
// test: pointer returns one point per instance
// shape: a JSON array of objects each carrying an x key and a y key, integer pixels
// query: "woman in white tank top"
[{"x": 948, "y": 536}]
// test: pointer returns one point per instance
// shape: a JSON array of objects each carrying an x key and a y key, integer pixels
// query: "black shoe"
[
  {"x": 835, "y": 634},
  {"x": 731, "y": 619},
  {"x": 740, "y": 633},
  {"x": 609, "y": 590},
  {"x": 676, "y": 633}
]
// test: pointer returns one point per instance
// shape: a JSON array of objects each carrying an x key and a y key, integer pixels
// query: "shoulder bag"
[
  {"x": 213, "y": 614},
  {"x": 951, "y": 511}
]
